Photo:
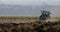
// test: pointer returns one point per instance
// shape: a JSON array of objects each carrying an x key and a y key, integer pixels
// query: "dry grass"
[{"x": 20, "y": 17}]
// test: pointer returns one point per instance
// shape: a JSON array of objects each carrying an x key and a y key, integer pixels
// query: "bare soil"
[{"x": 51, "y": 25}]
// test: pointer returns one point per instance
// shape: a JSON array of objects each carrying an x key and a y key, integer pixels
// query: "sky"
[{"x": 30, "y": 2}]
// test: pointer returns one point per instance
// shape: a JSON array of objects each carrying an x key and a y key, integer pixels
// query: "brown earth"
[{"x": 29, "y": 26}]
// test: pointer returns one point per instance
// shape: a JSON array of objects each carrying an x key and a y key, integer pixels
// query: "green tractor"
[{"x": 44, "y": 15}]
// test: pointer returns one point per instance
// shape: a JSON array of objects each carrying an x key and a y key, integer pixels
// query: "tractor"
[{"x": 44, "y": 15}]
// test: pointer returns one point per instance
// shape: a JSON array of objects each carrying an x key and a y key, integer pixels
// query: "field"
[{"x": 28, "y": 24}]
